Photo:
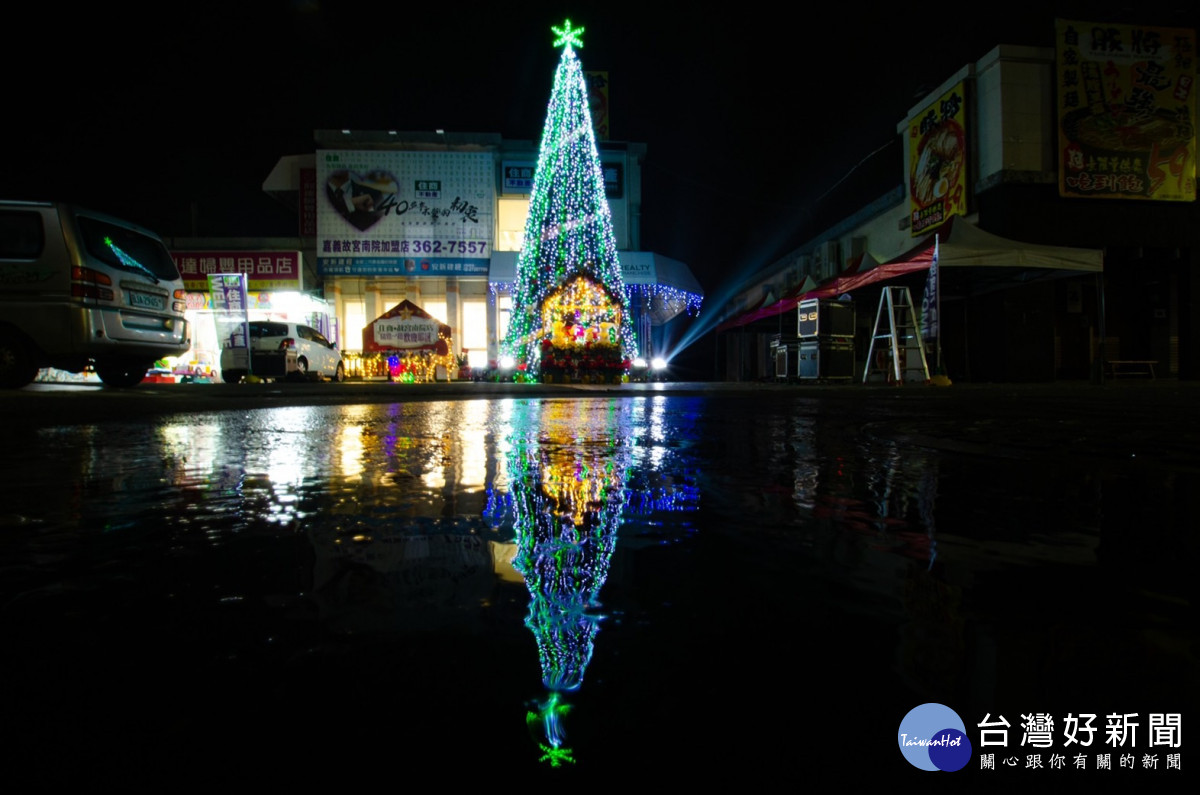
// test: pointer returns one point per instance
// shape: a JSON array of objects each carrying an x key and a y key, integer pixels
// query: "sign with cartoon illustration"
[
  {"x": 937, "y": 177},
  {"x": 1126, "y": 111}
]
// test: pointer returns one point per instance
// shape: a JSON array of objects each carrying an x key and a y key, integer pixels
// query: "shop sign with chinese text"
[
  {"x": 404, "y": 213},
  {"x": 265, "y": 270},
  {"x": 937, "y": 148},
  {"x": 1126, "y": 111}
]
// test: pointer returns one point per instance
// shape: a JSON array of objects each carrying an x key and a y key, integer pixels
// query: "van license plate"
[{"x": 147, "y": 300}]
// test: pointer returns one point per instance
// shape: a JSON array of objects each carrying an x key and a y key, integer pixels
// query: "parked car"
[
  {"x": 284, "y": 350},
  {"x": 81, "y": 289}
]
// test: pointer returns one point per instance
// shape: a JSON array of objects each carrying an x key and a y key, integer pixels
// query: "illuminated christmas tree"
[{"x": 570, "y": 309}]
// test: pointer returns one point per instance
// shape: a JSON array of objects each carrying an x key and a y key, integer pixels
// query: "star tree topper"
[{"x": 567, "y": 35}]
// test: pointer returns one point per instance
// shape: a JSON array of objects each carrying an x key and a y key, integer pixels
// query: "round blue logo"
[{"x": 933, "y": 737}]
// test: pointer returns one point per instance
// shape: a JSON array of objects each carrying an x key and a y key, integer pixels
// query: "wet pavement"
[{"x": 742, "y": 584}]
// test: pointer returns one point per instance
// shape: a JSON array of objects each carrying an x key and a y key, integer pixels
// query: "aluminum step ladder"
[{"x": 897, "y": 350}]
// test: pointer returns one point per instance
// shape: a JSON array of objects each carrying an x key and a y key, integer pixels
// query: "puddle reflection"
[
  {"x": 579, "y": 558},
  {"x": 567, "y": 468}
]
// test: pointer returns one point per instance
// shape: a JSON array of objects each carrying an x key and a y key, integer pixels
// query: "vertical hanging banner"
[
  {"x": 1126, "y": 111},
  {"x": 230, "y": 309},
  {"x": 937, "y": 178},
  {"x": 929, "y": 301}
]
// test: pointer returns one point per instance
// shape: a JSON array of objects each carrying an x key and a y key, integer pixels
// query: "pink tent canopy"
[{"x": 961, "y": 244}]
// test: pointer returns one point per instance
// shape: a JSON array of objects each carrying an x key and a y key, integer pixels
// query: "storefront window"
[
  {"x": 437, "y": 308},
  {"x": 503, "y": 311},
  {"x": 474, "y": 332},
  {"x": 512, "y": 214},
  {"x": 356, "y": 320}
]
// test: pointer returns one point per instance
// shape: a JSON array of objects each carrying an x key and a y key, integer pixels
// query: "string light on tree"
[{"x": 569, "y": 236}]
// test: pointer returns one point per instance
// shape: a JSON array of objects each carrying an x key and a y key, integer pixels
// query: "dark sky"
[{"x": 749, "y": 115}]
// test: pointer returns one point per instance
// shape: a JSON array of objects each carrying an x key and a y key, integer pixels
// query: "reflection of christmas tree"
[
  {"x": 566, "y": 541},
  {"x": 568, "y": 287},
  {"x": 572, "y": 476},
  {"x": 566, "y": 505}
]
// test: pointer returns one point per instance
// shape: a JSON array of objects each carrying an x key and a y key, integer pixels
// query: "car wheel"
[
  {"x": 232, "y": 376},
  {"x": 300, "y": 374},
  {"x": 18, "y": 368},
  {"x": 339, "y": 375},
  {"x": 122, "y": 373}
]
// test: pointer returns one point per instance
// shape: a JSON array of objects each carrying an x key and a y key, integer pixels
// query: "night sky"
[{"x": 174, "y": 120}]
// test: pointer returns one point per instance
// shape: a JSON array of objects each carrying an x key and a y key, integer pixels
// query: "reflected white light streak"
[
  {"x": 658, "y": 413},
  {"x": 191, "y": 446},
  {"x": 502, "y": 423},
  {"x": 287, "y": 448},
  {"x": 472, "y": 444},
  {"x": 351, "y": 450}
]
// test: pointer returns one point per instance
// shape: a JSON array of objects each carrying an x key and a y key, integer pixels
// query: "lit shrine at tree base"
[
  {"x": 582, "y": 342},
  {"x": 407, "y": 344}
]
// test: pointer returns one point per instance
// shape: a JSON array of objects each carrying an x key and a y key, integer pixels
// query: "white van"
[{"x": 83, "y": 289}]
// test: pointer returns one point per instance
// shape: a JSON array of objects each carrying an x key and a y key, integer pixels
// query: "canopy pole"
[{"x": 937, "y": 296}]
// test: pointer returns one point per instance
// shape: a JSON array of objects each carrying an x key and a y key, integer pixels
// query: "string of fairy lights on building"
[
  {"x": 667, "y": 296},
  {"x": 569, "y": 230}
]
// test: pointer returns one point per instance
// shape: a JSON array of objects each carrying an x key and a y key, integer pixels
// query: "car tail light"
[
  {"x": 86, "y": 284},
  {"x": 288, "y": 344}
]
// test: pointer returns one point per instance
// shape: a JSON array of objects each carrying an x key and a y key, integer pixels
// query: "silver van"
[{"x": 83, "y": 289}]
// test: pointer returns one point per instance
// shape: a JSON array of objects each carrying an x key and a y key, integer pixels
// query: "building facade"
[
  {"x": 435, "y": 219},
  {"x": 1082, "y": 250}
]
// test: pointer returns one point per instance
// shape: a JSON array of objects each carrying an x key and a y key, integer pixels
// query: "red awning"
[
  {"x": 962, "y": 245},
  {"x": 790, "y": 300},
  {"x": 917, "y": 259}
]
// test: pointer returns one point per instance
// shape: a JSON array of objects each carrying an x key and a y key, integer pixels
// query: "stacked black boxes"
[
  {"x": 826, "y": 332},
  {"x": 785, "y": 351}
]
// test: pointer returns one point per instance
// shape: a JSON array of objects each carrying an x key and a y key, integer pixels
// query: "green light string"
[
  {"x": 569, "y": 230},
  {"x": 126, "y": 260},
  {"x": 568, "y": 36},
  {"x": 567, "y": 500}
]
